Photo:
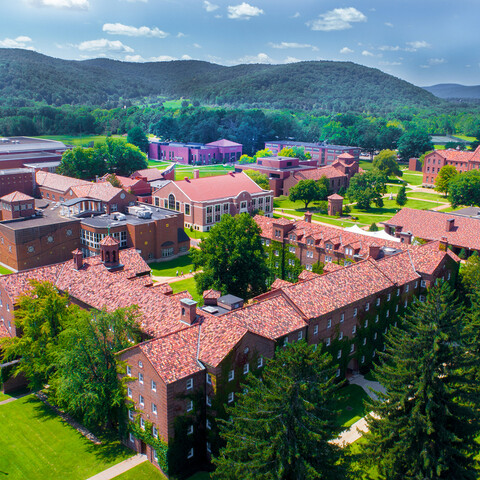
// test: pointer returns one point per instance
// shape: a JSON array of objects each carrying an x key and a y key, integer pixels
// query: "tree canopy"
[
  {"x": 386, "y": 162},
  {"x": 464, "y": 189},
  {"x": 232, "y": 258},
  {"x": 445, "y": 175},
  {"x": 259, "y": 178},
  {"x": 281, "y": 425},
  {"x": 366, "y": 188},
  {"x": 136, "y": 136},
  {"x": 402, "y": 196},
  {"x": 414, "y": 143},
  {"x": 308, "y": 191}
]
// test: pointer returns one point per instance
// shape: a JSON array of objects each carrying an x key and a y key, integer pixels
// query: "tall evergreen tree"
[
  {"x": 424, "y": 427},
  {"x": 402, "y": 198},
  {"x": 281, "y": 425}
]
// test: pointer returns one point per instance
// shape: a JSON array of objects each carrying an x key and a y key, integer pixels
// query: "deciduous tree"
[
  {"x": 464, "y": 189},
  {"x": 136, "y": 136},
  {"x": 366, "y": 188},
  {"x": 386, "y": 162},
  {"x": 259, "y": 178},
  {"x": 445, "y": 175},
  {"x": 414, "y": 143},
  {"x": 308, "y": 191}
]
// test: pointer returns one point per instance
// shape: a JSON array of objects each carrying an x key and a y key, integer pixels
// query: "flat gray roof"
[
  {"x": 109, "y": 220},
  {"x": 51, "y": 216},
  {"x": 13, "y": 171}
]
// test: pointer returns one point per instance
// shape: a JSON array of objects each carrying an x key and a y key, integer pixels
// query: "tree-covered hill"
[
  {"x": 454, "y": 90},
  {"x": 316, "y": 85}
]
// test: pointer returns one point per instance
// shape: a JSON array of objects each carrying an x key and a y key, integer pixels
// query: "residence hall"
[
  {"x": 285, "y": 172},
  {"x": 181, "y": 381},
  {"x": 463, "y": 161},
  {"x": 193, "y": 359},
  {"x": 286, "y": 240},
  {"x": 203, "y": 201},
  {"x": 221, "y": 151},
  {"x": 323, "y": 153},
  {"x": 458, "y": 230}
]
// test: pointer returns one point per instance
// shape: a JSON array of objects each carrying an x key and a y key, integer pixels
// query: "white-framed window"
[
  {"x": 285, "y": 341},
  {"x": 355, "y": 312},
  {"x": 366, "y": 323},
  {"x": 209, "y": 447},
  {"x": 275, "y": 252},
  {"x": 154, "y": 432},
  {"x": 407, "y": 288},
  {"x": 140, "y": 377},
  {"x": 246, "y": 368},
  {"x": 364, "y": 341},
  {"x": 421, "y": 298},
  {"x": 389, "y": 296},
  {"x": 367, "y": 306},
  {"x": 354, "y": 330},
  {"x": 140, "y": 364},
  {"x": 423, "y": 284},
  {"x": 208, "y": 401},
  {"x": 231, "y": 375},
  {"x": 406, "y": 303},
  {"x": 329, "y": 323},
  {"x": 342, "y": 317},
  {"x": 208, "y": 424},
  {"x": 190, "y": 406},
  {"x": 142, "y": 423},
  {"x": 327, "y": 341},
  {"x": 300, "y": 335},
  {"x": 398, "y": 292},
  {"x": 378, "y": 301},
  {"x": 340, "y": 336},
  {"x": 190, "y": 430},
  {"x": 260, "y": 362},
  {"x": 267, "y": 242},
  {"x": 129, "y": 392},
  {"x": 190, "y": 453},
  {"x": 155, "y": 456},
  {"x": 376, "y": 318},
  {"x": 388, "y": 313},
  {"x": 130, "y": 414},
  {"x": 375, "y": 335},
  {"x": 154, "y": 386},
  {"x": 352, "y": 348},
  {"x": 315, "y": 330},
  {"x": 363, "y": 359},
  {"x": 449, "y": 275},
  {"x": 129, "y": 370},
  {"x": 416, "y": 284},
  {"x": 291, "y": 249},
  {"x": 309, "y": 254},
  {"x": 396, "y": 307},
  {"x": 373, "y": 354},
  {"x": 131, "y": 438},
  {"x": 189, "y": 383},
  {"x": 154, "y": 409},
  {"x": 339, "y": 354},
  {"x": 338, "y": 372},
  {"x": 209, "y": 379},
  {"x": 231, "y": 397}
]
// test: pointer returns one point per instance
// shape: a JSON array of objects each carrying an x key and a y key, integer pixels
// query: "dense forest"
[{"x": 323, "y": 86}]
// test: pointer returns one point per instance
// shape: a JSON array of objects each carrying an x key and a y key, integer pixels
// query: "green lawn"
[
  {"x": 4, "y": 396},
  {"x": 144, "y": 471},
  {"x": 171, "y": 267},
  {"x": 4, "y": 270},
  {"x": 182, "y": 171},
  {"x": 371, "y": 473},
  {"x": 413, "y": 178},
  {"x": 351, "y": 406},
  {"x": 158, "y": 163},
  {"x": 187, "y": 284},
  {"x": 464, "y": 137},
  {"x": 80, "y": 139},
  {"x": 366, "y": 164},
  {"x": 196, "y": 233},
  {"x": 36, "y": 444},
  {"x": 428, "y": 196}
]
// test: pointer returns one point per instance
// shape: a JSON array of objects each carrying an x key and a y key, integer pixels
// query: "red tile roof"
[
  {"x": 165, "y": 288},
  {"x": 224, "y": 143},
  {"x": 335, "y": 196},
  {"x": 57, "y": 182},
  {"x": 307, "y": 275},
  {"x": 151, "y": 174},
  {"x": 317, "y": 173},
  {"x": 426, "y": 258},
  {"x": 104, "y": 191},
  {"x": 109, "y": 241},
  {"x": 431, "y": 225},
  {"x": 459, "y": 155},
  {"x": 211, "y": 294},
  {"x": 16, "y": 197},
  {"x": 220, "y": 186},
  {"x": 279, "y": 283}
]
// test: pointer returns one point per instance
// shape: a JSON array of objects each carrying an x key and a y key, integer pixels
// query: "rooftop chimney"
[
  {"x": 374, "y": 251},
  {"x": 189, "y": 310},
  {"x": 196, "y": 173},
  {"x": 308, "y": 217},
  {"x": 77, "y": 259},
  {"x": 450, "y": 224}
]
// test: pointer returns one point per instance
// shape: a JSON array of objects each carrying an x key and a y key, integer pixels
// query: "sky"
[{"x": 422, "y": 41}]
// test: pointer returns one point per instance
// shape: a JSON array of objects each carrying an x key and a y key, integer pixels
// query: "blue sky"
[{"x": 422, "y": 41}]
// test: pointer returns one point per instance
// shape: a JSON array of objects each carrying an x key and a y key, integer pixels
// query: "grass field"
[
  {"x": 158, "y": 164},
  {"x": 464, "y": 137},
  {"x": 412, "y": 178},
  {"x": 366, "y": 164},
  {"x": 189, "y": 285},
  {"x": 144, "y": 471},
  {"x": 351, "y": 406},
  {"x": 182, "y": 171},
  {"x": 36, "y": 444},
  {"x": 4, "y": 270},
  {"x": 428, "y": 196},
  {"x": 80, "y": 140},
  {"x": 171, "y": 267}
]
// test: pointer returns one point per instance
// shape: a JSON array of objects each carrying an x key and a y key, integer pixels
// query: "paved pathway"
[
  {"x": 12, "y": 399},
  {"x": 173, "y": 279},
  {"x": 120, "y": 468},
  {"x": 369, "y": 386}
]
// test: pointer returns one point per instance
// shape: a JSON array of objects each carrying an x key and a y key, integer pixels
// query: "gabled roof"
[
  {"x": 109, "y": 241},
  {"x": 224, "y": 143},
  {"x": 317, "y": 173},
  {"x": 151, "y": 174},
  {"x": 279, "y": 283},
  {"x": 104, "y": 191},
  {"x": 16, "y": 197},
  {"x": 220, "y": 186},
  {"x": 463, "y": 156},
  {"x": 53, "y": 181}
]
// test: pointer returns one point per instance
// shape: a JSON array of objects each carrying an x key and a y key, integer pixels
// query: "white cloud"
[
  {"x": 366, "y": 53},
  {"x": 388, "y": 24},
  {"x": 260, "y": 58},
  {"x": 244, "y": 11},
  {"x": 210, "y": 7},
  {"x": 163, "y": 58},
  {"x": 73, "y": 4},
  {"x": 104, "y": 44},
  {"x": 283, "y": 45},
  {"x": 19, "y": 42},
  {"x": 389, "y": 48},
  {"x": 180, "y": 35},
  {"x": 186, "y": 57},
  {"x": 129, "y": 31},
  {"x": 345, "y": 50},
  {"x": 196, "y": 45},
  {"x": 436, "y": 61},
  {"x": 390, "y": 64},
  {"x": 291, "y": 60},
  {"x": 417, "y": 44},
  {"x": 296, "y": 15},
  {"x": 337, "y": 19},
  {"x": 134, "y": 58}
]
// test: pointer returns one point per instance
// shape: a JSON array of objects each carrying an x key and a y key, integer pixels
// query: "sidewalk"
[
  {"x": 12, "y": 399},
  {"x": 120, "y": 468},
  {"x": 369, "y": 386}
]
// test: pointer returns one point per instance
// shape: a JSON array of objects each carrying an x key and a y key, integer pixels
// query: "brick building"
[
  {"x": 323, "y": 153},
  {"x": 463, "y": 161},
  {"x": 459, "y": 231},
  {"x": 137, "y": 186},
  {"x": 203, "y": 201},
  {"x": 291, "y": 245},
  {"x": 17, "y": 179},
  {"x": 221, "y": 151}
]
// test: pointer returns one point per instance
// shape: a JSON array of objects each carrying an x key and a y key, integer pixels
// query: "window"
[
  {"x": 154, "y": 432},
  {"x": 405, "y": 304},
  {"x": 376, "y": 319},
  {"x": 291, "y": 249},
  {"x": 416, "y": 284},
  {"x": 285, "y": 341},
  {"x": 366, "y": 323},
  {"x": 327, "y": 341},
  {"x": 389, "y": 296},
  {"x": 398, "y": 292},
  {"x": 142, "y": 400},
  {"x": 388, "y": 313},
  {"x": 208, "y": 401},
  {"x": 449, "y": 275},
  {"x": 190, "y": 430},
  {"x": 354, "y": 330},
  {"x": 140, "y": 364},
  {"x": 367, "y": 306},
  {"x": 340, "y": 337},
  {"x": 209, "y": 379},
  {"x": 130, "y": 414},
  {"x": 171, "y": 201},
  {"x": 230, "y": 397},
  {"x": 231, "y": 375},
  {"x": 423, "y": 284},
  {"x": 315, "y": 330},
  {"x": 190, "y": 453},
  {"x": 187, "y": 209},
  {"x": 246, "y": 368},
  {"x": 129, "y": 392},
  {"x": 378, "y": 301},
  {"x": 189, "y": 383},
  {"x": 267, "y": 242},
  {"x": 363, "y": 359},
  {"x": 352, "y": 348},
  {"x": 155, "y": 456},
  {"x": 309, "y": 254},
  {"x": 355, "y": 311},
  {"x": 209, "y": 447},
  {"x": 407, "y": 287},
  {"x": 375, "y": 336},
  {"x": 140, "y": 378},
  {"x": 329, "y": 323},
  {"x": 275, "y": 252},
  {"x": 154, "y": 409},
  {"x": 422, "y": 298},
  {"x": 364, "y": 341},
  {"x": 154, "y": 386},
  {"x": 339, "y": 354},
  {"x": 338, "y": 372},
  {"x": 142, "y": 423},
  {"x": 342, "y": 317},
  {"x": 260, "y": 362},
  {"x": 209, "y": 424},
  {"x": 131, "y": 438},
  {"x": 300, "y": 335},
  {"x": 396, "y": 307},
  {"x": 190, "y": 406}
]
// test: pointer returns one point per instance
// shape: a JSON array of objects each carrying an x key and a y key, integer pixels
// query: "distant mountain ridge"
[
  {"x": 320, "y": 85},
  {"x": 454, "y": 90}
]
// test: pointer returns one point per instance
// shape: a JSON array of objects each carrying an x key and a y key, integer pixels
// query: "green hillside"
[{"x": 317, "y": 85}]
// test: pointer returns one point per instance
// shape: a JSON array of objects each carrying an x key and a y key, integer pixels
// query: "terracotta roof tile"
[
  {"x": 317, "y": 173},
  {"x": 109, "y": 241},
  {"x": 104, "y": 191},
  {"x": 165, "y": 288},
  {"x": 57, "y": 182},
  {"x": 151, "y": 174},
  {"x": 211, "y": 294},
  {"x": 307, "y": 275},
  {"x": 279, "y": 283},
  {"x": 16, "y": 197}
]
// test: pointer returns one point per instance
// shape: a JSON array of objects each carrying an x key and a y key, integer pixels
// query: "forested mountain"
[
  {"x": 27, "y": 76},
  {"x": 454, "y": 90}
]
